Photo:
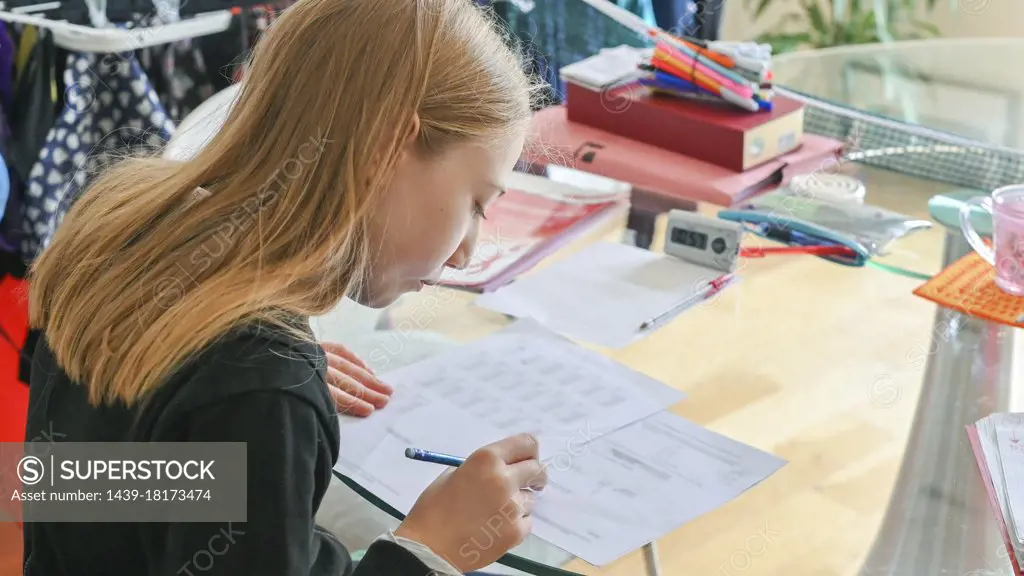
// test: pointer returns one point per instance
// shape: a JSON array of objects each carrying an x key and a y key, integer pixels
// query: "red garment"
[{"x": 13, "y": 392}]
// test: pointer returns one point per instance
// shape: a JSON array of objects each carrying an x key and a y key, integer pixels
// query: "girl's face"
[{"x": 430, "y": 216}]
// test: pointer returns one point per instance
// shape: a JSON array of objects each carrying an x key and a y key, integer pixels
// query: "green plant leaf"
[
  {"x": 761, "y": 7},
  {"x": 862, "y": 30},
  {"x": 786, "y": 42},
  {"x": 816, "y": 18},
  {"x": 928, "y": 27}
]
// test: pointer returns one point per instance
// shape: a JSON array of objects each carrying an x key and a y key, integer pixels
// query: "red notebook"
[
  {"x": 725, "y": 136},
  {"x": 556, "y": 140},
  {"x": 534, "y": 218}
]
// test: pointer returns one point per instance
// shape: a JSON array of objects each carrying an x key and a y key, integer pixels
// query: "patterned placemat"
[{"x": 968, "y": 286}]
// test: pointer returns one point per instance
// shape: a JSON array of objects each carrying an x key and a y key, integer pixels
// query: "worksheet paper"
[
  {"x": 622, "y": 470},
  {"x": 603, "y": 293},
  {"x": 640, "y": 483},
  {"x": 522, "y": 379}
]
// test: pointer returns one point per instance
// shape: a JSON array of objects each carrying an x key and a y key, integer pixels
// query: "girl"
[{"x": 367, "y": 142}]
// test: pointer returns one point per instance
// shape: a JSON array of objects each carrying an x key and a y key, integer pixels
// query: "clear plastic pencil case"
[{"x": 799, "y": 219}]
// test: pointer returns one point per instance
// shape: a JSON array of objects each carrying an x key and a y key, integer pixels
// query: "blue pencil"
[{"x": 434, "y": 457}]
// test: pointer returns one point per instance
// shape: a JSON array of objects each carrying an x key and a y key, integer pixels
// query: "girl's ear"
[
  {"x": 410, "y": 140},
  {"x": 413, "y": 128}
]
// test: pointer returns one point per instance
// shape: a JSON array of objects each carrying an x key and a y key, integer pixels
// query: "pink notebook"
[
  {"x": 521, "y": 229},
  {"x": 556, "y": 140}
]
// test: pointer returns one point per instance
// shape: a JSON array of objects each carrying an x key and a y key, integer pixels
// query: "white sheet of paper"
[
  {"x": 623, "y": 471},
  {"x": 601, "y": 294},
  {"x": 988, "y": 437},
  {"x": 1011, "y": 456},
  {"x": 522, "y": 379},
  {"x": 526, "y": 379},
  {"x": 641, "y": 482}
]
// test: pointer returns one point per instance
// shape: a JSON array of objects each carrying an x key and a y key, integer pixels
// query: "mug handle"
[{"x": 985, "y": 203}]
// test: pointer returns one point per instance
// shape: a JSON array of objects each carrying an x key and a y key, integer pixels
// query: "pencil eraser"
[{"x": 410, "y": 452}]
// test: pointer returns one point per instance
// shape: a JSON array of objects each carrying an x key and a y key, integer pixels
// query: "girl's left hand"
[{"x": 354, "y": 387}]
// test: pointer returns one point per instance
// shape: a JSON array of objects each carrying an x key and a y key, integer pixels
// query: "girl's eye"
[{"x": 479, "y": 210}]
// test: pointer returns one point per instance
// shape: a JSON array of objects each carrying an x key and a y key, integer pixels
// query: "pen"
[
  {"x": 434, "y": 457},
  {"x": 445, "y": 459},
  {"x": 833, "y": 250},
  {"x": 783, "y": 234},
  {"x": 705, "y": 82},
  {"x": 712, "y": 288}
]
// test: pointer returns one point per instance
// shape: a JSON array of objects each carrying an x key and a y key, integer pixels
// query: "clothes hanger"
[{"x": 103, "y": 37}]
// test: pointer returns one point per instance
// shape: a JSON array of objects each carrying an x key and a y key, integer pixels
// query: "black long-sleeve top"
[{"x": 253, "y": 386}]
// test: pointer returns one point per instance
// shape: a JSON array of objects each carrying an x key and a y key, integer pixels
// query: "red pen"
[
  {"x": 707, "y": 291},
  {"x": 757, "y": 252}
]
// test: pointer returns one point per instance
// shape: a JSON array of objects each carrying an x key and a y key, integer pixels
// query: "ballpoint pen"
[
  {"x": 710, "y": 289},
  {"x": 826, "y": 250}
]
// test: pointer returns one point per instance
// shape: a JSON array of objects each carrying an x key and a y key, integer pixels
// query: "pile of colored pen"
[{"x": 735, "y": 72}]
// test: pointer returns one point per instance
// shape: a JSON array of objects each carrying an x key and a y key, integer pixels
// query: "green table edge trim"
[{"x": 510, "y": 560}]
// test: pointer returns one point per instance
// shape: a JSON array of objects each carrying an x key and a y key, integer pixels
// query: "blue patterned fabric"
[
  {"x": 110, "y": 111},
  {"x": 556, "y": 33},
  {"x": 679, "y": 16}
]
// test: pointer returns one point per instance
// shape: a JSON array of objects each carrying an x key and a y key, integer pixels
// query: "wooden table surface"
[{"x": 817, "y": 363}]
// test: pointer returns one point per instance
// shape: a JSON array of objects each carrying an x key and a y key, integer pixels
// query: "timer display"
[{"x": 689, "y": 238}]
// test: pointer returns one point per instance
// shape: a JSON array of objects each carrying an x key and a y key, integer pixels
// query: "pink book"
[{"x": 556, "y": 140}]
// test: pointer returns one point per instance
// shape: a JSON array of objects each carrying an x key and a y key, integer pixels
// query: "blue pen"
[
  {"x": 786, "y": 235},
  {"x": 434, "y": 457}
]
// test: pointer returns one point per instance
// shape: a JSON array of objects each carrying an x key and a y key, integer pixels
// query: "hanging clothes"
[
  {"x": 26, "y": 44},
  {"x": 5, "y": 186},
  {"x": 32, "y": 112},
  {"x": 255, "y": 22},
  {"x": 222, "y": 53},
  {"x": 7, "y": 50},
  {"x": 555, "y": 34},
  {"x": 16, "y": 344},
  {"x": 178, "y": 73},
  {"x": 111, "y": 110}
]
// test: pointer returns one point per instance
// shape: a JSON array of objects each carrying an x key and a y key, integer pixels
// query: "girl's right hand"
[{"x": 474, "y": 514}]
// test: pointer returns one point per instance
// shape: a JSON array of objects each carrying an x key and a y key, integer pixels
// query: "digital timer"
[{"x": 702, "y": 240}]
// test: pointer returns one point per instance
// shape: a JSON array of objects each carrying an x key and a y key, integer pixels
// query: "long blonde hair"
[{"x": 159, "y": 258}]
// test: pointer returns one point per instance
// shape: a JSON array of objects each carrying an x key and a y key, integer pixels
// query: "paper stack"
[
  {"x": 998, "y": 443},
  {"x": 623, "y": 471}
]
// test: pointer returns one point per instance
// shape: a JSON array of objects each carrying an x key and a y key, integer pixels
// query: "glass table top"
[
  {"x": 965, "y": 87},
  {"x": 861, "y": 386}
]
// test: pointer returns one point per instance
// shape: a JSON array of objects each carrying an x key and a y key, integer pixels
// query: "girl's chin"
[{"x": 386, "y": 297}]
